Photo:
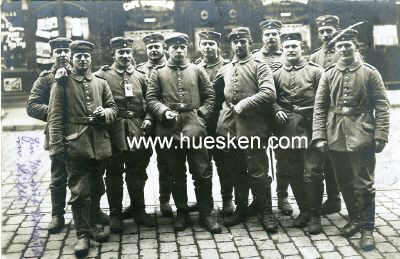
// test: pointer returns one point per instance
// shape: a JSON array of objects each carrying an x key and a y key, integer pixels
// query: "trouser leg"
[
  {"x": 313, "y": 178},
  {"x": 344, "y": 176},
  {"x": 79, "y": 183},
  {"x": 165, "y": 177},
  {"x": 282, "y": 183},
  {"x": 199, "y": 167},
  {"x": 332, "y": 188},
  {"x": 136, "y": 163},
  {"x": 114, "y": 183},
  {"x": 363, "y": 166},
  {"x": 97, "y": 186},
  {"x": 224, "y": 174},
  {"x": 58, "y": 187},
  {"x": 236, "y": 164}
]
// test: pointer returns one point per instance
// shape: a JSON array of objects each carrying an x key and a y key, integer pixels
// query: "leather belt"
[
  {"x": 349, "y": 110},
  {"x": 84, "y": 120},
  {"x": 296, "y": 108},
  {"x": 129, "y": 114},
  {"x": 181, "y": 106}
]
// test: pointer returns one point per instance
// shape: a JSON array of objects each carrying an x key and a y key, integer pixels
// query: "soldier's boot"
[
  {"x": 96, "y": 233},
  {"x": 210, "y": 224},
  {"x": 241, "y": 213},
  {"x": 181, "y": 220},
  {"x": 333, "y": 204},
  {"x": 82, "y": 246},
  {"x": 262, "y": 189},
  {"x": 252, "y": 208},
  {"x": 57, "y": 222},
  {"x": 228, "y": 208},
  {"x": 97, "y": 215},
  {"x": 166, "y": 209},
  {"x": 315, "y": 191},
  {"x": 144, "y": 219},
  {"x": 116, "y": 224},
  {"x": 297, "y": 184},
  {"x": 354, "y": 225},
  {"x": 301, "y": 220},
  {"x": 205, "y": 203},
  {"x": 367, "y": 242},
  {"x": 282, "y": 193},
  {"x": 136, "y": 193},
  {"x": 127, "y": 213},
  {"x": 366, "y": 201},
  {"x": 226, "y": 192}
]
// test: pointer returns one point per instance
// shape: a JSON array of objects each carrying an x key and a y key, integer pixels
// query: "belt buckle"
[
  {"x": 346, "y": 110},
  {"x": 130, "y": 113},
  {"x": 182, "y": 105},
  {"x": 91, "y": 119}
]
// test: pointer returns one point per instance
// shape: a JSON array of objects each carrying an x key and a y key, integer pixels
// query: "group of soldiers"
[{"x": 336, "y": 101}]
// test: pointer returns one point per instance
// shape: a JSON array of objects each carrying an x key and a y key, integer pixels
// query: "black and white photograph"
[{"x": 227, "y": 129}]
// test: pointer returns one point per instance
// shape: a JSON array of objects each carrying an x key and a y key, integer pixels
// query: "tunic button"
[
  {"x": 345, "y": 101},
  {"x": 90, "y": 119},
  {"x": 345, "y": 94},
  {"x": 87, "y": 97}
]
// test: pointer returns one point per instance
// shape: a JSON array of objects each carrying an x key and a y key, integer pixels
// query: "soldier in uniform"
[
  {"x": 37, "y": 107},
  {"x": 351, "y": 121},
  {"x": 326, "y": 56},
  {"x": 249, "y": 89},
  {"x": 296, "y": 83},
  {"x": 128, "y": 88},
  {"x": 271, "y": 53},
  {"x": 212, "y": 62},
  {"x": 81, "y": 107},
  {"x": 180, "y": 97}
]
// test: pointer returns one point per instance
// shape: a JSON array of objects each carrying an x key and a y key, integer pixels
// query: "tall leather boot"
[
  {"x": 241, "y": 200},
  {"x": 315, "y": 191},
  {"x": 165, "y": 184},
  {"x": 82, "y": 232},
  {"x": 206, "y": 203},
  {"x": 333, "y": 203},
  {"x": 97, "y": 215},
  {"x": 298, "y": 187},
  {"x": 367, "y": 216},
  {"x": 57, "y": 222},
  {"x": 282, "y": 185},
  {"x": 115, "y": 197},
  {"x": 353, "y": 208},
  {"x": 136, "y": 193}
]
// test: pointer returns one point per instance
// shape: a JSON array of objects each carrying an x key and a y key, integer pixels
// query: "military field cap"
[
  {"x": 153, "y": 38},
  {"x": 239, "y": 33},
  {"x": 291, "y": 36},
  {"x": 271, "y": 24},
  {"x": 345, "y": 35},
  {"x": 210, "y": 35},
  {"x": 81, "y": 46},
  {"x": 121, "y": 42},
  {"x": 60, "y": 43},
  {"x": 327, "y": 20},
  {"x": 177, "y": 38}
]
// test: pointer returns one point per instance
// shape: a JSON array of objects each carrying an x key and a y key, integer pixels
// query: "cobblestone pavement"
[{"x": 26, "y": 211}]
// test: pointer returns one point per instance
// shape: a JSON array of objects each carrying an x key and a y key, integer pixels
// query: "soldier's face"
[
  {"x": 178, "y": 52},
  {"x": 291, "y": 50},
  {"x": 271, "y": 38},
  {"x": 82, "y": 61},
  {"x": 325, "y": 33},
  {"x": 209, "y": 48},
  {"x": 241, "y": 47},
  {"x": 346, "y": 50},
  {"x": 155, "y": 51},
  {"x": 62, "y": 56},
  {"x": 123, "y": 57}
]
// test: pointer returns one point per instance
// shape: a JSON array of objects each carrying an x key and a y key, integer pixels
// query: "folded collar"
[
  {"x": 353, "y": 66},
  {"x": 171, "y": 63},
  {"x": 210, "y": 65},
  {"x": 88, "y": 76},
  {"x": 242, "y": 61},
  {"x": 299, "y": 65},
  {"x": 119, "y": 70}
]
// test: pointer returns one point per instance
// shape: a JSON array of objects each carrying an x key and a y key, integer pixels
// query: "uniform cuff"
[{"x": 381, "y": 135}]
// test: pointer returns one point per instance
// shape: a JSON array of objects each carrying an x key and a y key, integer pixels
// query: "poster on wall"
[{"x": 12, "y": 84}]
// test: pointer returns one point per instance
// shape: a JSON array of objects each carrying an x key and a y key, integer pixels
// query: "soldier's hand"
[
  {"x": 61, "y": 74},
  {"x": 281, "y": 117},
  {"x": 146, "y": 124},
  {"x": 322, "y": 145},
  {"x": 171, "y": 115},
  {"x": 99, "y": 112},
  {"x": 238, "y": 107},
  {"x": 379, "y": 145}
]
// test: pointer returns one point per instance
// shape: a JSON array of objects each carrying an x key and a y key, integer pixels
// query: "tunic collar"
[
  {"x": 119, "y": 70},
  {"x": 289, "y": 67},
  {"x": 171, "y": 63},
  {"x": 242, "y": 61},
  {"x": 54, "y": 68},
  {"x": 267, "y": 52},
  {"x": 210, "y": 65},
  {"x": 327, "y": 49},
  {"x": 354, "y": 66},
  {"x": 88, "y": 76}
]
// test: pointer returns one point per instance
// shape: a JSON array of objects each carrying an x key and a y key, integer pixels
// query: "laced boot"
[
  {"x": 56, "y": 224},
  {"x": 284, "y": 206},
  {"x": 144, "y": 219},
  {"x": 116, "y": 225},
  {"x": 166, "y": 209},
  {"x": 330, "y": 206},
  {"x": 301, "y": 220},
  {"x": 127, "y": 213},
  {"x": 210, "y": 224},
  {"x": 367, "y": 242},
  {"x": 269, "y": 221},
  {"x": 181, "y": 220},
  {"x": 82, "y": 246},
  {"x": 228, "y": 208},
  {"x": 236, "y": 218},
  {"x": 314, "y": 226}
]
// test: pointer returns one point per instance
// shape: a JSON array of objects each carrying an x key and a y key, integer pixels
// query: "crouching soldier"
[
  {"x": 128, "y": 89},
  {"x": 351, "y": 121},
  {"x": 296, "y": 83},
  {"x": 81, "y": 107},
  {"x": 180, "y": 97}
]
